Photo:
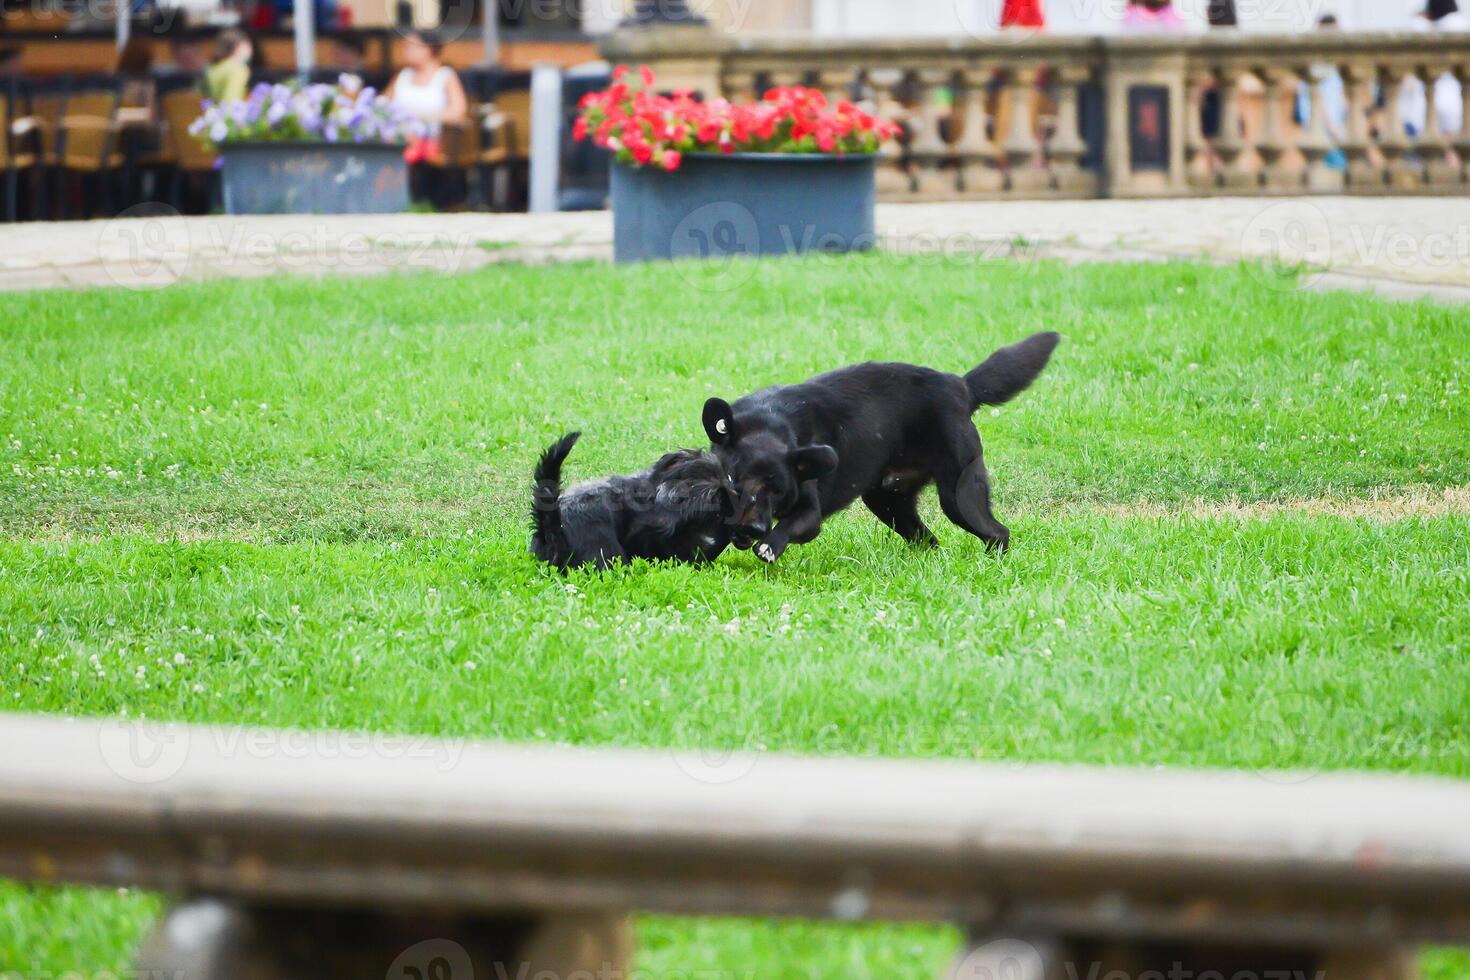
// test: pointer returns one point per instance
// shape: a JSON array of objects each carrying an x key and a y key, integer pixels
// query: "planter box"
[
  {"x": 743, "y": 204},
  {"x": 313, "y": 178}
]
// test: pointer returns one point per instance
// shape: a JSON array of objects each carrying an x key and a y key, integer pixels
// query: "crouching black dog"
[
  {"x": 678, "y": 509},
  {"x": 883, "y": 432}
]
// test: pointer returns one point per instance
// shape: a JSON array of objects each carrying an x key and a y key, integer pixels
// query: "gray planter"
[
  {"x": 717, "y": 206},
  {"x": 313, "y": 178}
]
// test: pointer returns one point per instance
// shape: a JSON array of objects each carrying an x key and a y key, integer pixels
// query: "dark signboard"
[{"x": 1148, "y": 127}]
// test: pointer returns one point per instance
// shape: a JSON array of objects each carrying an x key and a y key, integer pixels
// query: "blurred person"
[
  {"x": 1414, "y": 103},
  {"x": 1022, "y": 13},
  {"x": 430, "y": 90},
  {"x": 1443, "y": 15},
  {"x": 135, "y": 69},
  {"x": 348, "y": 56},
  {"x": 426, "y": 87},
  {"x": 1219, "y": 14},
  {"x": 10, "y": 59},
  {"x": 1015, "y": 15},
  {"x": 1328, "y": 80},
  {"x": 228, "y": 78},
  {"x": 186, "y": 55},
  {"x": 1153, "y": 17}
]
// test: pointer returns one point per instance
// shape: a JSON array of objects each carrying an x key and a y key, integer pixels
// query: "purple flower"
[{"x": 326, "y": 112}]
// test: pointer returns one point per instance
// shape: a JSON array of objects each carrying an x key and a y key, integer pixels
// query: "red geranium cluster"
[{"x": 644, "y": 128}]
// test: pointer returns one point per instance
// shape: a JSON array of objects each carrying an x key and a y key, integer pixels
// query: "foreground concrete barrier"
[{"x": 339, "y": 854}]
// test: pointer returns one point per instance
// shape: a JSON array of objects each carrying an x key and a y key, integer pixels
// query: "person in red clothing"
[{"x": 1022, "y": 13}]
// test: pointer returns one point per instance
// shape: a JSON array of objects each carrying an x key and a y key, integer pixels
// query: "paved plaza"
[{"x": 1405, "y": 247}]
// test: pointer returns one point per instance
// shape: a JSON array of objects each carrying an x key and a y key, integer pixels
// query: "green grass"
[{"x": 293, "y": 503}]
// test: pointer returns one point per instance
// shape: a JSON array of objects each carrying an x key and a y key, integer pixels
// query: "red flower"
[{"x": 645, "y": 128}]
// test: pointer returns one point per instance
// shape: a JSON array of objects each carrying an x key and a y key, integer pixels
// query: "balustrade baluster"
[
  {"x": 1462, "y": 140},
  {"x": 1277, "y": 174},
  {"x": 981, "y": 169},
  {"x": 837, "y": 83},
  {"x": 1398, "y": 158},
  {"x": 893, "y": 178},
  {"x": 1066, "y": 147},
  {"x": 1233, "y": 143},
  {"x": 740, "y": 85},
  {"x": 1441, "y": 170},
  {"x": 1023, "y": 172},
  {"x": 1316, "y": 140},
  {"x": 1364, "y": 175},
  {"x": 1196, "y": 158},
  {"x": 931, "y": 155}
]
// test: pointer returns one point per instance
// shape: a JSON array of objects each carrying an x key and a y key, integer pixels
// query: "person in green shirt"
[{"x": 228, "y": 77}]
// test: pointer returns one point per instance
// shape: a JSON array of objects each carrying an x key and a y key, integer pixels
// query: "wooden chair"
[
  {"x": 33, "y": 118},
  {"x": 459, "y": 149},
  {"x": 506, "y": 146},
  {"x": 87, "y": 143},
  {"x": 191, "y": 159},
  {"x": 46, "y": 106},
  {"x": 13, "y": 160}
]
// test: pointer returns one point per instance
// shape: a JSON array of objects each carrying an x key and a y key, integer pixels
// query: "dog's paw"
[{"x": 766, "y": 553}]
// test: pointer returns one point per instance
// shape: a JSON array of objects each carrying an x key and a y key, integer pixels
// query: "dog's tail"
[
  {"x": 549, "y": 541},
  {"x": 1010, "y": 370}
]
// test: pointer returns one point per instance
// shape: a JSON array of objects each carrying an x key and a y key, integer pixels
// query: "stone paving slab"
[{"x": 1402, "y": 246}]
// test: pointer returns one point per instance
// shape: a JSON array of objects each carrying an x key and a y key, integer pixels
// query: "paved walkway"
[{"x": 1399, "y": 246}]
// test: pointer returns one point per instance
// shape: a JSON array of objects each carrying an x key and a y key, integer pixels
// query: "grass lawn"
[{"x": 297, "y": 504}]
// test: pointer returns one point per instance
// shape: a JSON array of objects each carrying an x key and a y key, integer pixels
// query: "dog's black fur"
[
  {"x": 677, "y": 509},
  {"x": 882, "y": 432}
]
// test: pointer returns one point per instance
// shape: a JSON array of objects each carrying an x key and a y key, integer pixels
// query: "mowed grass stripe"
[
  {"x": 277, "y": 402},
  {"x": 391, "y": 517},
  {"x": 1285, "y": 641}
]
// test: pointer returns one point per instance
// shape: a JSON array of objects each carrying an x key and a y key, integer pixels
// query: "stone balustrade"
[{"x": 1035, "y": 115}]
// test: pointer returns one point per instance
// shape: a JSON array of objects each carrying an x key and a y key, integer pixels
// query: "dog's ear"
[
  {"x": 813, "y": 462},
  {"x": 719, "y": 421}
]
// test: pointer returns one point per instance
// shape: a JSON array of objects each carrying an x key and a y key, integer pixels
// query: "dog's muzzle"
[{"x": 746, "y": 535}]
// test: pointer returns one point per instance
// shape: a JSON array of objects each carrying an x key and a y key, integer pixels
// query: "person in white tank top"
[{"x": 426, "y": 87}]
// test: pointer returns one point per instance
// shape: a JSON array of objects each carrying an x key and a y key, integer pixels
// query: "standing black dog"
[
  {"x": 678, "y": 509},
  {"x": 883, "y": 432}
]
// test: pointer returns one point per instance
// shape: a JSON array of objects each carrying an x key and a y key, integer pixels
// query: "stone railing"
[{"x": 1056, "y": 116}]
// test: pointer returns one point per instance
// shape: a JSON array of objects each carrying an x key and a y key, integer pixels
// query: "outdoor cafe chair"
[
  {"x": 507, "y": 155},
  {"x": 15, "y": 159},
  {"x": 191, "y": 159},
  {"x": 88, "y": 143}
]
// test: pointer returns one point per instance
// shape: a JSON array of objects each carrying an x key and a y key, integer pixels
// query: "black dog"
[
  {"x": 677, "y": 509},
  {"x": 883, "y": 432}
]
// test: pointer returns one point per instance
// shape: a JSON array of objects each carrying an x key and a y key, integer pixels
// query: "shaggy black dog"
[
  {"x": 883, "y": 432},
  {"x": 677, "y": 509}
]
